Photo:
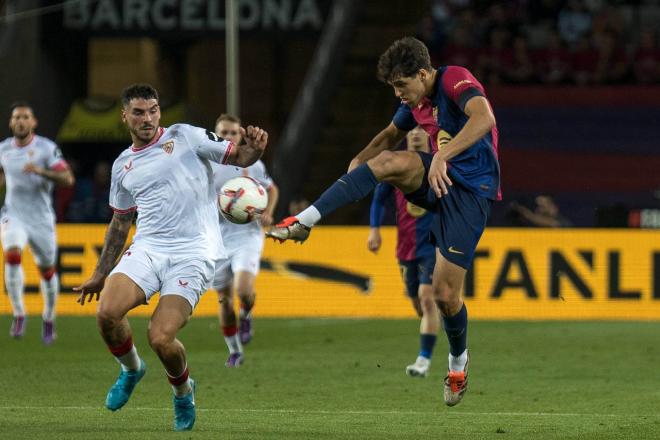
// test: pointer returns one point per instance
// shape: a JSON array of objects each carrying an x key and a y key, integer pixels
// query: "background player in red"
[
  {"x": 31, "y": 166},
  {"x": 416, "y": 255},
  {"x": 458, "y": 182}
]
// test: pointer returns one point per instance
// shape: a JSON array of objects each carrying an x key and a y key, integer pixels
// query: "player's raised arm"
[
  {"x": 115, "y": 239},
  {"x": 254, "y": 143},
  {"x": 387, "y": 139}
]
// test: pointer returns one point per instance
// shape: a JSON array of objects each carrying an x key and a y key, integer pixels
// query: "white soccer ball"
[{"x": 242, "y": 200}]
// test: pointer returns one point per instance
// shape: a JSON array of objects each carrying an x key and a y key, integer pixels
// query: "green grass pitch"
[{"x": 344, "y": 379}]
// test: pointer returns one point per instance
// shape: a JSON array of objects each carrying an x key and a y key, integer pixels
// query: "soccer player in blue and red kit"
[
  {"x": 415, "y": 252},
  {"x": 458, "y": 182}
]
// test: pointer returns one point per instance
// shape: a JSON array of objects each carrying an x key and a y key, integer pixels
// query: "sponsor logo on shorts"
[
  {"x": 453, "y": 250},
  {"x": 183, "y": 283}
]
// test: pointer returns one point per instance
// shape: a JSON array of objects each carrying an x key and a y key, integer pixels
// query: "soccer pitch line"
[{"x": 334, "y": 412}]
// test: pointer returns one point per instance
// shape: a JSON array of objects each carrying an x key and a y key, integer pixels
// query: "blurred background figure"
[
  {"x": 90, "y": 201},
  {"x": 545, "y": 214}
]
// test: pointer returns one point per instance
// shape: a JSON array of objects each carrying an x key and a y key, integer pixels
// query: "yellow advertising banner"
[{"x": 517, "y": 274}]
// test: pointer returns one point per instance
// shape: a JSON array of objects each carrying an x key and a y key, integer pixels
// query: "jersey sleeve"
[
  {"x": 381, "y": 194},
  {"x": 54, "y": 160},
  {"x": 261, "y": 175},
  {"x": 208, "y": 145},
  {"x": 460, "y": 85},
  {"x": 121, "y": 201},
  {"x": 403, "y": 118}
]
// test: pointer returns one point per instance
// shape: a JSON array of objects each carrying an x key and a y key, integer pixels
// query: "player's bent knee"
[
  {"x": 159, "y": 339},
  {"x": 13, "y": 256},
  {"x": 47, "y": 273}
]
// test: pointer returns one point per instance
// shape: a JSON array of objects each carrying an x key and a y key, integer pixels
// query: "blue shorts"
[
  {"x": 459, "y": 218},
  {"x": 416, "y": 272}
]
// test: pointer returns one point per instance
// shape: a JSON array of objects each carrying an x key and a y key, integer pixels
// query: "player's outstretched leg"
[
  {"x": 348, "y": 188},
  {"x": 132, "y": 371}
]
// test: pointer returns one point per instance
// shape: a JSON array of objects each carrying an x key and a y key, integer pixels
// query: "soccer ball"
[{"x": 242, "y": 200}]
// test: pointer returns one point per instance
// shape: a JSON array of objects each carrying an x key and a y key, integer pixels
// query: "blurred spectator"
[
  {"x": 646, "y": 60},
  {"x": 459, "y": 51},
  {"x": 553, "y": 62},
  {"x": 584, "y": 62},
  {"x": 545, "y": 214},
  {"x": 574, "y": 21},
  {"x": 493, "y": 59},
  {"x": 612, "y": 64},
  {"x": 551, "y": 41},
  {"x": 90, "y": 204},
  {"x": 520, "y": 68}
]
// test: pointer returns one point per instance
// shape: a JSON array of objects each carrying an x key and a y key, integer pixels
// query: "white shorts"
[
  {"x": 243, "y": 258},
  {"x": 170, "y": 274},
  {"x": 41, "y": 237}
]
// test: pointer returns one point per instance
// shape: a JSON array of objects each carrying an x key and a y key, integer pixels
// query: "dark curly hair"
[
  {"x": 138, "y": 91},
  {"x": 403, "y": 58}
]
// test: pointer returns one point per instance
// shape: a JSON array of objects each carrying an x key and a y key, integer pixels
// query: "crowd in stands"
[{"x": 582, "y": 42}]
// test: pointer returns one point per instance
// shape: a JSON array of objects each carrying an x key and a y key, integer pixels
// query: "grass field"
[{"x": 323, "y": 379}]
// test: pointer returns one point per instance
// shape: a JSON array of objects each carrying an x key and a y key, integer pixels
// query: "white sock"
[
  {"x": 14, "y": 283},
  {"x": 234, "y": 344},
  {"x": 50, "y": 289},
  {"x": 457, "y": 363},
  {"x": 309, "y": 217},
  {"x": 183, "y": 389},
  {"x": 130, "y": 361}
]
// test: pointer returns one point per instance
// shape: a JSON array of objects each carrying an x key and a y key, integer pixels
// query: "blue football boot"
[
  {"x": 184, "y": 410},
  {"x": 123, "y": 387}
]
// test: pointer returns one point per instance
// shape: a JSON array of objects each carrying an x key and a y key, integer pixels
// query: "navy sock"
[
  {"x": 456, "y": 329},
  {"x": 348, "y": 188},
  {"x": 426, "y": 344}
]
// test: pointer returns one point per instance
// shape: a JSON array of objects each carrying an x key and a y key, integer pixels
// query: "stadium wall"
[{"x": 518, "y": 274}]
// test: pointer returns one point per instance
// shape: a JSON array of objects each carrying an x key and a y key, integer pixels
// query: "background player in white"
[
  {"x": 243, "y": 244},
  {"x": 166, "y": 177},
  {"x": 31, "y": 166}
]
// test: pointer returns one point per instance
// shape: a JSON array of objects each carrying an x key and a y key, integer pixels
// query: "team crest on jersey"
[
  {"x": 168, "y": 146},
  {"x": 435, "y": 112},
  {"x": 30, "y": 153}
]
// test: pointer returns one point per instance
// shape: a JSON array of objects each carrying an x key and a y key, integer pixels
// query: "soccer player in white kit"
[
  {"x": 243, "y": 244},
  {"x": 31, "y": 166},
  {"x": 166, "y": 177}
]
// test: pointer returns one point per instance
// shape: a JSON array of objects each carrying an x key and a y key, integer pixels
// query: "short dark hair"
[
  {"x": 228, "y": 117},
  {"x": 18, "y": 104},
  {"x": 138, "y": 91},
  {"x": 405, "y": 57}
]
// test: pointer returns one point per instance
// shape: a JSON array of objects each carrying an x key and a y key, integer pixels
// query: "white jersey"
[
  {"x": 29, "y": 196},
  {"x": 222, "y": 174},
  {"x": 170, "y": 184}
]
